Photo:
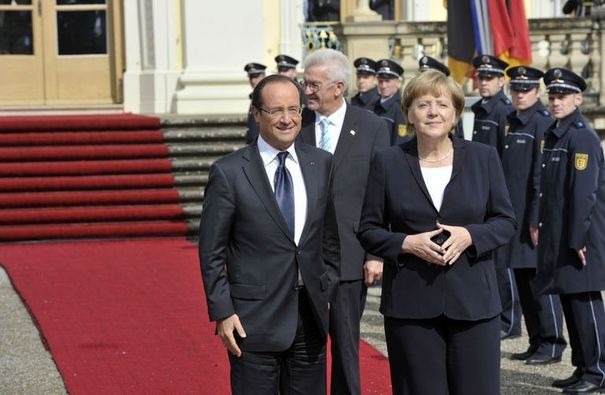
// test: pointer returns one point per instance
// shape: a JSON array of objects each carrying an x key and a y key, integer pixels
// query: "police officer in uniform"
[
  {"x": 367, "y": 93},
  {"x": 521, "y": 162},
  {"x": 256, "y": 72},
  {"x": 571, "y": 229},
  {"x": 492, "y": 110},
  {"x": 491, "y": 120},
  {"x": 389, "y": 106},
  {"x": 427, "y": 63}
]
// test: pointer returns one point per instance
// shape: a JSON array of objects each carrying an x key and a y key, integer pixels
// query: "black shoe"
[
  {"x": 522, "y": 356},
  {"x": 506, "y": 335},
  {"x": 582, "y": 387},
  {"x": 542, "y": 360},
  {"x": 562, "y": 383}
]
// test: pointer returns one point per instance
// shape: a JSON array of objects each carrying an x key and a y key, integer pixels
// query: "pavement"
[{"x": 26, "y": 366}]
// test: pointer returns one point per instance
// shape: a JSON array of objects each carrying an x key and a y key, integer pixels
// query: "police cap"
[
  {"x": 254, "y": 69},
  {"x": 389, "y": 69},
  {"x": 489, "y": 66},
  {"x": 560, "y": 80},
  {"x": 285, "y": 62},
  {"x": 427, "y": 63},
  {"x": 523, "y": 78},
  {"x": 365, "y": 66}
]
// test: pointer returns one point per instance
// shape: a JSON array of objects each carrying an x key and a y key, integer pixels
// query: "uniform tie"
[
  {"x": 324, "y": 141},
  {"x": 284, "y": 191}
]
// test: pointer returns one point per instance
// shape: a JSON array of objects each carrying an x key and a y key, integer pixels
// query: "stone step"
[
  {"x": 203, "y": 148},
  {"x": 188, "y": 195},
  {"x": 197, "y": 180},
  {"x": 204, "y": 134}
]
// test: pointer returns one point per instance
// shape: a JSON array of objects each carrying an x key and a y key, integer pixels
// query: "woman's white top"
[{"x": 436, "y": 179}]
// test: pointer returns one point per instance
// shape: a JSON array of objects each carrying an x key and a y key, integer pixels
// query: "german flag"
[{"x": 493, "y": 27}]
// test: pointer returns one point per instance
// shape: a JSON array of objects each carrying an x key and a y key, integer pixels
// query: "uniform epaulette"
[
  {"x": 579, "y": 124},
  {"x": 545, "y": 112},
  {"x": 506, "y": 100}
]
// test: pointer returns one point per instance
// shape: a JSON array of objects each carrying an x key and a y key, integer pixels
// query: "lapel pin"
[
  {"x": 312, "y": 163},
  {"x": 352, "y": 132}
]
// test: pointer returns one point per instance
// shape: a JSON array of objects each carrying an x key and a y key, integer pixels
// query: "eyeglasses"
[
  {"x": 313, "y": 86},
  {"x": 277, "y": 113}
]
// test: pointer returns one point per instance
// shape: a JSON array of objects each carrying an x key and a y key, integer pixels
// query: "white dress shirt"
[
  {"x": 336, "y": 121},
  {"x": 269, "y": 157}
]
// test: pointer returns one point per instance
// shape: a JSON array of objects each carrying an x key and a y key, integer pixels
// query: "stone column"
[
  {"x": 152, "y": 66},
  {"x": 217, "y": 47}
]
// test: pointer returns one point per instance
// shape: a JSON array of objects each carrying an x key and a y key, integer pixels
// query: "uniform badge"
[
  {"x": 581, "y": 161},
  {"x": 403, "y": 130}
]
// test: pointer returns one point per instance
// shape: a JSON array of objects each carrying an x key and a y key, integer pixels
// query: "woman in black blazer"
[{"x": 435, "y": 208}]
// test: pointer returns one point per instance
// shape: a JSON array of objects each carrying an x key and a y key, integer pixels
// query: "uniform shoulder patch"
[
  {"x": 403, "y": 130},
  {"x": 581, "y": 161}
]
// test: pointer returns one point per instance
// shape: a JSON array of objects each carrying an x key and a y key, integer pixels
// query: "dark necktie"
[{"x": 284, "y": 191}]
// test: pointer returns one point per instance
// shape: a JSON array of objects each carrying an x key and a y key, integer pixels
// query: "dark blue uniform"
[
  {"x": 521, "y": 161},
  {"x": 572, "y": 216},
  {"x": 390, "y": 111},
  {"x": 367, "y": 99},
  {"x": 491, "y": 120}
]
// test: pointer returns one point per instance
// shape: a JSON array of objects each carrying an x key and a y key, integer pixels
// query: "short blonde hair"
[{"x": 434, "y": 83}]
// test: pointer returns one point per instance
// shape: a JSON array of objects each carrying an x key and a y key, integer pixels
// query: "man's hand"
[
  {"x": 372, "y": 271},
  {"x": 225, "y": 329}
]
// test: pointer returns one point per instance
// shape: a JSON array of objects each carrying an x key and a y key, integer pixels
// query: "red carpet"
[
  {"x": 108, "y": 161},
  {"x": 127, "y": 317}
]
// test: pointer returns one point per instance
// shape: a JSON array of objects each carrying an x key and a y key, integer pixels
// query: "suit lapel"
[
  {"x": 410, "y": 151},
  {"x": 308, "y": 167},
  {"x": 254, "y": 170}
]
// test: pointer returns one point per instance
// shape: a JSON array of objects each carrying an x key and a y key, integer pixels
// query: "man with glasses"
[
  {"x": 353, "y": 135},
  {"x": 269, "y": 251}
]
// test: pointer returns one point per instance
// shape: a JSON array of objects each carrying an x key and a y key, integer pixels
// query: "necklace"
[{"x": 425, "y": 159}]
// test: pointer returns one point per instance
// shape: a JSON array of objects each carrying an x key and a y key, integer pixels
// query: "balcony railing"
[{"x": 574, "y": 43}]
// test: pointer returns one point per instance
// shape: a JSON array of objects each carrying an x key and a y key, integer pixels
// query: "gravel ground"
[{"x": 26, "y": 367}]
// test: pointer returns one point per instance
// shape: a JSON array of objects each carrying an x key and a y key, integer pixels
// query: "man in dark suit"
[
  {"x": 269, "y": 251},
  {"x": 353, "y": 135}
]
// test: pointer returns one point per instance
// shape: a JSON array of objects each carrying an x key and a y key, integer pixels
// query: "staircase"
[
  {"x": 193, "y": 147},
  {"x": 113, "y": 176}
]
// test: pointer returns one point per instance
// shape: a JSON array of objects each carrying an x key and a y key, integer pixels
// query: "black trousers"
[
  {"x": 444, "y": 356},
  {"x": 345, "y": 316},
  {"x": 301, "y": 369},
  {"x": 543, "y": 316},
  {"x": 585, "y": 317},
  {"x": 509, "y": 296}
]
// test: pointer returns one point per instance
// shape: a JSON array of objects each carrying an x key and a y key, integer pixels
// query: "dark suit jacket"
[
  {"x": 362, "y": 134},
  {"x": 248, "y": 257},
  {"x": 397, "y": 204}
]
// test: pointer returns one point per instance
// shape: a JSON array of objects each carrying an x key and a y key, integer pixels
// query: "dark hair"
[{"x": 257, "y": 93}]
